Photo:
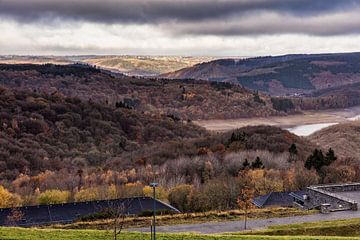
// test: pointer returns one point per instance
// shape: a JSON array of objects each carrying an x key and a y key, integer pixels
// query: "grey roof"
[
  {"x": 275, "y": 199},
  {"x": 69, "y": 212}
]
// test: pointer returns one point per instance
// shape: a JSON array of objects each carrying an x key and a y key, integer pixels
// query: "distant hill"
[
  {"x": 129, "y": 65},
  {"x": 281, "y": 75},
  {"x": 183, "y": 99},
  {"x": 145, "y": 65},
  {"x": 344, "y": 138}
]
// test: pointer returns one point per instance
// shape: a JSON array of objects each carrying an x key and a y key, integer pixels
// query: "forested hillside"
[
  {"x": 54, "y": 142},
  {"x": 344, "y": 138},
  {"x": 49, "y": 132},
  {"x": 184, "y": 99},
  {"x": 282, "y": 75},
  {"x": 59, "y": 149},
  {"x": 75, "y": 133}
]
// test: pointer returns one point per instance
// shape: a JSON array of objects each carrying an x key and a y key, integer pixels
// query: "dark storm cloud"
[
  {"x": 173, "y": 11},
  {"x": 268, "y": 24},
  {"x": 149, "y": 11}
]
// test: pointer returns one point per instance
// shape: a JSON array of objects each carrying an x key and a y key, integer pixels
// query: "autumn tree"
[
  {"x": 304, "y": 178},
  {"x": 160, "y": 193},
  {"x": 8, "y": 199},
  {"x": 179, "y": 196},
  {"x": 244, "y": 201},
  {"x": 53, "y": 197},
  {"x": 87, "y": 194}
]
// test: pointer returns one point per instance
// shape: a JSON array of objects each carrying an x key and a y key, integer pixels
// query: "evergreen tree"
[
  {"x": 293, "y": 149},
  {"x": 293, "y": 152},
  {"x": 257, "y": 164},
  {"x": 330, "y": 157},
  {"x": 246, "y": 164},
  {"x": 316, "y": 160}
]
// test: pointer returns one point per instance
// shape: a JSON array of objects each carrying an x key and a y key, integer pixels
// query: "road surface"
[{"x": 237, "y": 226}]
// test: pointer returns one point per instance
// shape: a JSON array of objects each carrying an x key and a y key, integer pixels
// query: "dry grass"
[{"x": 212, "y": 216}]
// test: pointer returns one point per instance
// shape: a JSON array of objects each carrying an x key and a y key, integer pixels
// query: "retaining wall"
[{"x": 326, "y": 194}]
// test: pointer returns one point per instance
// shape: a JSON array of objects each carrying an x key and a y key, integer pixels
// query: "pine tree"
[
  {"x": 316, "y": 160},
  {"x": 330, "y": 157},
  {"x": 293, "y": 152},
  {"x": 246, "y": 164},
  {"x": 257, "y": 164}
]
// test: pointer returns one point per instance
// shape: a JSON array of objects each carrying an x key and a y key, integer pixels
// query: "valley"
[{"x": 189, "y": 119}]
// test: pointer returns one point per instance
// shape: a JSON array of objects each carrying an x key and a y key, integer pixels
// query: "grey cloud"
[
  {"x": 270, "y": 24},
  {"x": 159, "y": 11}
]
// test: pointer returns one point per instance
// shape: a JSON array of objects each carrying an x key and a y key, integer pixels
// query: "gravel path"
[{"x": 237, "y": 226}]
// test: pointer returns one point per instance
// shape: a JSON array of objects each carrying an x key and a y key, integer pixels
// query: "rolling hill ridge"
[{"x": 280, "y": 75}]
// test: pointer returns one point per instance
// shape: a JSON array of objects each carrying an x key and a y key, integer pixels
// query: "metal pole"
[
  {"x": 154, "y": 220},
  {"x": 151, "y": 230}
]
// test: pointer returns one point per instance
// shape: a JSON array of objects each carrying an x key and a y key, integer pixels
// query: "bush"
[
  {"x": 8, "y": 199},
  {"x": 179, "y": 197},
  {"x": 161, "y": 193},
  {"x": 53, "y": 197},
  {"x": 87, "y": 194}
]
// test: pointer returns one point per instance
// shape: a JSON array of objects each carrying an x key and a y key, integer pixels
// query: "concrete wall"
[
  {"x": 348, "y": 187},
  {"x": 326, "y": 194}
]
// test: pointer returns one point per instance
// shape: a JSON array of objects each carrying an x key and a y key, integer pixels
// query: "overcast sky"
[{"x": 179, "y": 27}]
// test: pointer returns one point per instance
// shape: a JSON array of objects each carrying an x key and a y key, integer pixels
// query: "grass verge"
[
  {"x": 190, "y": 218},
  {"x": 346, "y": 228}
]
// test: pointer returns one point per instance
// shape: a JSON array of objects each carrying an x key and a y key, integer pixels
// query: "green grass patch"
[
  {"x": 344, "y": 228},
  {"x": 59, "y": 234}
]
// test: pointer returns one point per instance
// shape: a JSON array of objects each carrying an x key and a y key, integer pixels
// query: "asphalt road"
[{"x": 237, "y": 226}]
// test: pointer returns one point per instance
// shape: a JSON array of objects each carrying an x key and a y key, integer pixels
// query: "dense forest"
[{"x": 184, "y": 99}]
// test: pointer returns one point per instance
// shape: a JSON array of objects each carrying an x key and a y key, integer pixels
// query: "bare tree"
[
  {"x": 118, "y": 210},
  {"x": 244, "y": 201},
  {"x": 15, "y": 216}
]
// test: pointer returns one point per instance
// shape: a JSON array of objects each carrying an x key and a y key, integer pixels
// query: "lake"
[{"x": 308, "y": 129}]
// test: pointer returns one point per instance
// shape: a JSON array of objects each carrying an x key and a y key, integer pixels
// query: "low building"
[
  {"x": 337, "y": 197},
  {"x": 276, "y": 199},
  {"x": 70, "y": 212},
  {"x": 329, "y": 198}
]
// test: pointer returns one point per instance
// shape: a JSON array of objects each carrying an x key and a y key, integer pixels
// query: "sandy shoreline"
[{"x": 308, "y": 117}]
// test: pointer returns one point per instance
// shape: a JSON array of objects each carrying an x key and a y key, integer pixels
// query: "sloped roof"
[{"x": 275, "y": 199}]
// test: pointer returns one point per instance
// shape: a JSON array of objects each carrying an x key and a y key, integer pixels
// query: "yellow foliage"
[
  {"x": 160, "y": 193},
  {"x": 265, "y": 181},
  {"x": 8, "y": 199},
  {"x": 53, "y": 197},
  {"x": 87, "y": 194},
  {"x": 112, "y": 192}
]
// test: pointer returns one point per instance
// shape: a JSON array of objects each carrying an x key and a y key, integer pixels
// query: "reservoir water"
[{"x": 306, "y": 130}]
